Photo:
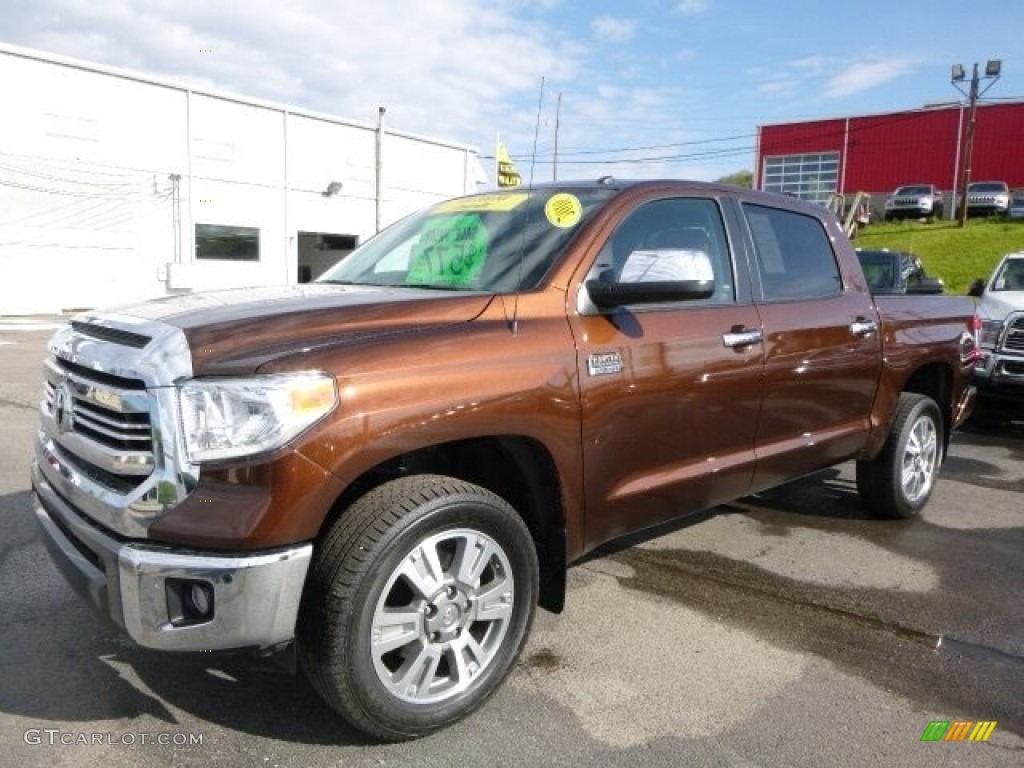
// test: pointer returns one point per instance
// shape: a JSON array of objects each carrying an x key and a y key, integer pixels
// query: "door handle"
[
  {"x": 863, "y": 327},
  {"x": 741, "y": 338}
]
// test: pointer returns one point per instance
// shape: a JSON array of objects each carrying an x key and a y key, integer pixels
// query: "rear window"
[{"x": 794, "y": 254}]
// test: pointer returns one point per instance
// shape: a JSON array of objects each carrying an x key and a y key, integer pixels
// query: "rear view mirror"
[{"x": 977, "y": 288}]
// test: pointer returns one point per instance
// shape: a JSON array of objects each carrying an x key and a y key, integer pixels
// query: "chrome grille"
[
  {"x": 1013, "y": 341},
  {"x": 100, "y": 422},
  {"x": 108, "y": 440}
]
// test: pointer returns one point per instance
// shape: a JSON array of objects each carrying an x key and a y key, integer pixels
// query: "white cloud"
[
  {"x": 613, "y": 30},
  {"x": 804, "y": 75},
  {"x": 692, "y": 7},
  {"x": 866, "y": 73},
  {"x": 455, "y": 69}
]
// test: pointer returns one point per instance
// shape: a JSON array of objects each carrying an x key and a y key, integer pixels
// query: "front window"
[
  {"x": 1010, "y": 276},
  {"x": 879, "y": 270},
  {"x": 496, "y": 242}
]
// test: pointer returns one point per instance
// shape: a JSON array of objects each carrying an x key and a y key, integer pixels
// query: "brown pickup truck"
[{"x": 388, "y": 469}]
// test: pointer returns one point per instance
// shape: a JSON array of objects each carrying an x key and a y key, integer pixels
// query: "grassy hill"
[{"x": 956, "y": 255}]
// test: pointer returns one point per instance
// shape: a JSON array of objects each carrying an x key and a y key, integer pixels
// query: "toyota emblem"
[{"x": 63, "y": 405}]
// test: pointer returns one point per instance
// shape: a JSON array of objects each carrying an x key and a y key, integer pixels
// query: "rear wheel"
[
  {"x": 898, "y": 482},
  {"x": 417, "y": 605}
]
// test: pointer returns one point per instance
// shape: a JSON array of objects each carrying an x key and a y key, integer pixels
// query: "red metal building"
[{"x": 877, "y": 153}]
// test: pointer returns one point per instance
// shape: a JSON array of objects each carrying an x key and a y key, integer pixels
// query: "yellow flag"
[{"x": 508, "y": 175}]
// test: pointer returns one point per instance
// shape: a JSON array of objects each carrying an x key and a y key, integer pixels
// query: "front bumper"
[
  {"x": 910, "y": 211},
  {"x": 255, "y": 597},
  {"x": 1001, "y": 375}
]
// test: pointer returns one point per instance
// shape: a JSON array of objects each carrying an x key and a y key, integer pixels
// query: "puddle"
[{"x": 826, "y": 558}]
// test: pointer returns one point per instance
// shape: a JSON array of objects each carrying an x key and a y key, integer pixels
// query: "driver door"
[{"x": 670, "y": 391}]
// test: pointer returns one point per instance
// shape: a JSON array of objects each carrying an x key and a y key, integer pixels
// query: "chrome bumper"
[
  {"x": 255, "y": 597},
  {"x": 1000, "y": 372}
]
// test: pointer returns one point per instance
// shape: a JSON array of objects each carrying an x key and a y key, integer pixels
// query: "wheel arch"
[
  {"x": 519, "y": 469},
  {"x": 935, "y": 380}
]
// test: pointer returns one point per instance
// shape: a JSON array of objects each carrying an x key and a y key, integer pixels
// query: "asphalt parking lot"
[{"x": 787, "y": 629}]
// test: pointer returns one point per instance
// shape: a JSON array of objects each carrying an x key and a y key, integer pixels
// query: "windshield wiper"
[{"x": 428, "y": 286}]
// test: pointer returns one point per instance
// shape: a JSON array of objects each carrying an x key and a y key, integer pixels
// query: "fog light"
[
  {"x": 201, "y": 597},
  {"x": 189, "y": 601},
  {"x": 200, "y": 601}
]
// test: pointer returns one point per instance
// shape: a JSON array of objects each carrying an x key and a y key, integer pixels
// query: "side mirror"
[
  {"x": 977, "y": 288},
  {"x": 926, "y": 285},
  {"x": 653, "y": 276}
]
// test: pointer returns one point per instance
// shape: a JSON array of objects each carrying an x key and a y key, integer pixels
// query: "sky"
[{"x": 633, "y": 89}]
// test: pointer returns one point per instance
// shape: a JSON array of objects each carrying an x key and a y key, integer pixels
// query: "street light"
[{"x": 993, "y": 68}]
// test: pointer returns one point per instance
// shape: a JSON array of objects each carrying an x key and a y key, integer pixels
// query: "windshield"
[
  {"x": 1010, "y": 277},
  {"x": 918, "y": 190},
  {"x": 497, "y": 242},
  {"x": 987, "y": 186}
]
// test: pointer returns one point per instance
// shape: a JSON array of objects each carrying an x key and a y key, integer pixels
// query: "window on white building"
[{"x": 216, "y": 241}]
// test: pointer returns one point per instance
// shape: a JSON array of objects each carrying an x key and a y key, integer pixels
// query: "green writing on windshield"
[{"x": 450, "y": 251}]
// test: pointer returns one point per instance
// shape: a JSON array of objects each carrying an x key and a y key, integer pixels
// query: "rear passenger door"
[{"x": 821, "y": 344}]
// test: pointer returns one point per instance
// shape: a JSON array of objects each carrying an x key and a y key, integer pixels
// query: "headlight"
[
  {"x": 990, "y": 330},
  {"x": 228, "y": 418}
]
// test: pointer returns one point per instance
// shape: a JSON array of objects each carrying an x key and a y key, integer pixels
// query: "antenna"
[
  {"x": 522, "y": 246},
  {"x": 558, "y": 115}
]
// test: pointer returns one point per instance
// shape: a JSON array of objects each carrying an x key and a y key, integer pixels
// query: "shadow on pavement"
[{"x": 63, "y": 663}]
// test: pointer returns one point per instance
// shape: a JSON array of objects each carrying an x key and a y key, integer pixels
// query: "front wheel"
[
  {"x": 417, "y": 605},
  {"x": 898, "y": 482}
]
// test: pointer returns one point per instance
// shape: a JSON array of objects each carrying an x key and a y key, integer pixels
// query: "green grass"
[{"x": 956, "y": 255}]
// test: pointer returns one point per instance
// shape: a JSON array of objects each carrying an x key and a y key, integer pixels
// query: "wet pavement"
[{"x": 786, "y": 629}]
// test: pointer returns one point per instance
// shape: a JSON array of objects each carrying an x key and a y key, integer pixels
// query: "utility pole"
[{"x": 992, "y": 70}]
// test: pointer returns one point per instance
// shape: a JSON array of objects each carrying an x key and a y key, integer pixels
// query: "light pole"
[{"x": 992, "y": 69}]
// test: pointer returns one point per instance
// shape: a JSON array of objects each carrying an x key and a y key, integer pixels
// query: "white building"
[{"x": 117, "y": 187}]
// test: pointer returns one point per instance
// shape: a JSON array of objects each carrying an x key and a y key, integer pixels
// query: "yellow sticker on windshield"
[
  {"x": 563, "y": 210},
  {"x": 499, "y": 201}
]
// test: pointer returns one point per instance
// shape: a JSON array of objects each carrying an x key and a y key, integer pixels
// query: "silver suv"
[
  {"x": 919, "y": 201},
  {"x": 985, "y": 198}
]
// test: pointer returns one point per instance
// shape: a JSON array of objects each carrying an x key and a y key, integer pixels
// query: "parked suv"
[
  {"x": 914, "y": 200},
  {"x": 985, "y": 198}
]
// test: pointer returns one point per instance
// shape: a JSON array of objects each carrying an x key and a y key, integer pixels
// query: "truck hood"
[
  {"x": 997, "y": 305},
  {"x": 234, "y": 332}
]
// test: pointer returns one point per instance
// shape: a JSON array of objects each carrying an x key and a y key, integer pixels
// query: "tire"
[
  {"x": 898, "y": 482},
  {"x": 417, "y": 605}
]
